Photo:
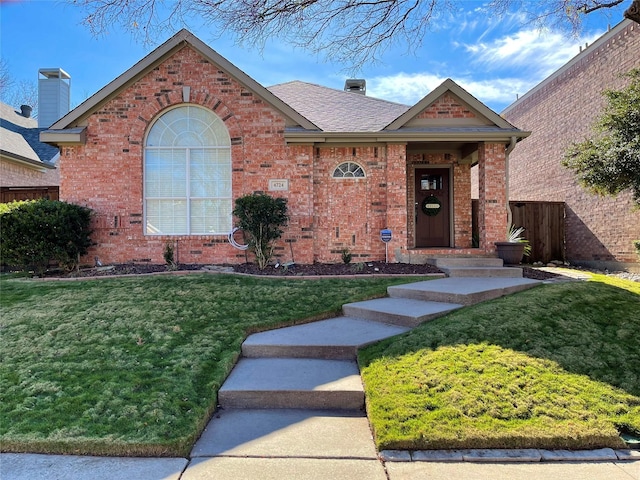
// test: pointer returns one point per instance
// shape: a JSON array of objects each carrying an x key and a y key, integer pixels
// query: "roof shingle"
[
  {"x": 20, "y": 137},
  {"x": 333, "y": 110}
]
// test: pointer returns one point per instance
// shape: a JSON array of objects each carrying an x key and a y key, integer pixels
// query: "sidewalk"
[{"x": 57, "y": 467}]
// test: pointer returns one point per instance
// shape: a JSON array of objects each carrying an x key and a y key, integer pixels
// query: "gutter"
[
  {"x": 510, "y": 147},
  {"x": 40, "y": 164},
  {"x": 401, "y": 136}
]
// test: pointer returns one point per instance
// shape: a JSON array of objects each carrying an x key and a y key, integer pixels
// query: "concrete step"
[
  {"x": 461, "y": 290},
  {"x": 287, "y": 433},
  {"x": 398, "y": 311},
  {"x": 447, "y": 262},
  {"x": 336, "y": 338},
  {"x": 511, "y": 272},
  {"x": 293, "y": 383}
]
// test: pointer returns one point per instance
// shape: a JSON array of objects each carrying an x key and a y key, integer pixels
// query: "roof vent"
[
  {"x": 356, "y": 85},
  {"x": 25, "y": 110}
]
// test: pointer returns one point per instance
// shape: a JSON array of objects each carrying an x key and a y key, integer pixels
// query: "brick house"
[
  {"x": 161, "y": 153},
  {"x": 28, "y": 167},
  {"x": 559, "y": 111}
]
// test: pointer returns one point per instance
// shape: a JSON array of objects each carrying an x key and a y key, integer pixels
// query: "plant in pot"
[{"x": 516, "y": 246}]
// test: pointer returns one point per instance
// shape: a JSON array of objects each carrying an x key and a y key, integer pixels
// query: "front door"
[{"x": 432, "y": 207}]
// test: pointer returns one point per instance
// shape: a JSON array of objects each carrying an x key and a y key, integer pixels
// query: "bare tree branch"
[
  {"x": 597, "y": 6},
  {"x": 351, "y": 32},
  {"x": 17, "y": 93}
]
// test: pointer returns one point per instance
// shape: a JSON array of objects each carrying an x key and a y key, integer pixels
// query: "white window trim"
[
  {"x": 188, "y": 198},
  {"x": 348, "y": 177}
]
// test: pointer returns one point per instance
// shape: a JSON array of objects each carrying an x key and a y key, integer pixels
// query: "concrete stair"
[
  {"x": 293, "y": 383},
  {"x": 299, "y": 387},
  {"x": 485, "y": 267},
  {"x": 461, "y": 290},
  {"x": 398, "y": 311},
  {"x": 333, "y": 339}
]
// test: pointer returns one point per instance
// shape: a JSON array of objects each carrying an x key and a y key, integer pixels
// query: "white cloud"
[
  {"x": 540, "y": 51},
  {"x": 409, "y": 88},
  {"x": 495, "y": 72}
]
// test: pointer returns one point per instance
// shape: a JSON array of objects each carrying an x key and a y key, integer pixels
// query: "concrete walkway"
[{"x": 293, "y": 408}]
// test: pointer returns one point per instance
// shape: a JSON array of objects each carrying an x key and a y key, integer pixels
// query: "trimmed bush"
[
  {"x": 262, "y": 218},
  {"x": 34, "y": 233}
]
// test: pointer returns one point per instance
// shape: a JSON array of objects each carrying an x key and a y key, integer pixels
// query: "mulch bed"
[{"x": 316, "y": 269}]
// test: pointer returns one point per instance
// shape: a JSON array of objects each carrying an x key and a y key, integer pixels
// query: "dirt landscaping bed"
[{"x": 316, "y": 269}]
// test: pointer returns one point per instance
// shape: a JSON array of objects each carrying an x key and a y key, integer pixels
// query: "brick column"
[
  {"x": 397, "y": 198},
  {"x": 492, "y": 208}
]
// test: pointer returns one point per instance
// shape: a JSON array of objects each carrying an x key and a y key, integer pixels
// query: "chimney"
[
  {"x": 25, "y": 110},
  {"x": 54, "y": 95},
  {"x": 356, "y": 85}
]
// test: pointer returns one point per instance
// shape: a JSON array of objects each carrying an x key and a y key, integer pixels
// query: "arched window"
[
  {"x": 348, "y": 170},
  {"x": 187, "y": 174}
]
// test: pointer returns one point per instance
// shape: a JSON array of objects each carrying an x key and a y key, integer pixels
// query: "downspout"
[{"x": 510, "y": 147}]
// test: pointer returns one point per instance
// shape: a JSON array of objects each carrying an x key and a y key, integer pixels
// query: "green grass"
[
  {"x": 557, "y": 366},
  {"x": 132, "y": 366}
]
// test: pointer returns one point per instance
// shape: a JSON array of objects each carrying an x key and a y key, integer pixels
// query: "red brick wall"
[
  {"x": 13, "y": 174},
  {"x": 447, "y": 106},
  {"x": 106, "y": 173},
  {"x": 492, "y": 210},
  {"x": 350, "y": 212},
  {"x": 599, "y": 230},
  {"x": 396, "y": 185},
  {"x": 327, "y": 215}
]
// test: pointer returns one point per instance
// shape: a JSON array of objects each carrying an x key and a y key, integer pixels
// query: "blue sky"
[{"x": 494, "y": 59}]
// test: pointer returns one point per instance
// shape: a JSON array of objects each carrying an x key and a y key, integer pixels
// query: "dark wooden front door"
[{"x": 432, "y": 207}]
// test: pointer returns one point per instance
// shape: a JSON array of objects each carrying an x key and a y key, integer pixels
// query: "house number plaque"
[{"x": 278, "y": 184}]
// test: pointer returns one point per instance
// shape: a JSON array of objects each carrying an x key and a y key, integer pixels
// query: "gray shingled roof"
[
  {"x": 20, "y": 138},
  {"x": 333, "y": 110}
]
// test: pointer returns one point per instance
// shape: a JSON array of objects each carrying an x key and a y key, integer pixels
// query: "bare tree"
[
  {"x": 18, "y": 93},
  {"x": 6, "y": 81},
  {"x": 351, "y": 32}
]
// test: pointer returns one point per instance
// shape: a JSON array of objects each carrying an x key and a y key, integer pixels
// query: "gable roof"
[
  {"x": 19, "y": 140},
  {"x": 313, "y": 113},
  {"x": 352, "y": 117},
  {"x": 333, "y": 110},
  {"x": 491, "y": 117},
  {"x": 175, "y": 43}
]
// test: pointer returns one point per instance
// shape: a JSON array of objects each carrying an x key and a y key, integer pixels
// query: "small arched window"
[
  {"x": 348, "y": 170},
  {"x": 187, "y": 174}
]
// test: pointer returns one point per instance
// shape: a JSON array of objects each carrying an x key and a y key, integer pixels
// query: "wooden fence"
[
  {"x": 9, "y": 194},
  {"x": 544, "y": 228}
]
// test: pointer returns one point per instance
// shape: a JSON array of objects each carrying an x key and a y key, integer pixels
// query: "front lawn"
[
  {"x": 557, "y": 366},
  {"x": 132, "y": 366}
]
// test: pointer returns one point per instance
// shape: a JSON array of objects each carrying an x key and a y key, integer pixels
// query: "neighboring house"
[
  {"x": 28, "y": 167},
  {"x": 560, "y": 111},
  {"x": 161, "y": 153}
]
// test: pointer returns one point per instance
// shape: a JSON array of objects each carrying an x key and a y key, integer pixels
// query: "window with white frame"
[
  {"x": 187, "y": 174},
  {"x": 348, "y": 170}
]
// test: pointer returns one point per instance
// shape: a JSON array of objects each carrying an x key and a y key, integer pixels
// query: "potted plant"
[{"x": 516, "y": 246}]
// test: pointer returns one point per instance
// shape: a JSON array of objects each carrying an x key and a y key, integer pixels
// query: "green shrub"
[
  {"x": 168, "y": 255},
  {"x": 262, "y": 218},
  {"x": 7, "y": 207},
  {"x": 636, "y": 244},
  {"x": 36, "y": 232},
  {"x": 346, "y": 256}
]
